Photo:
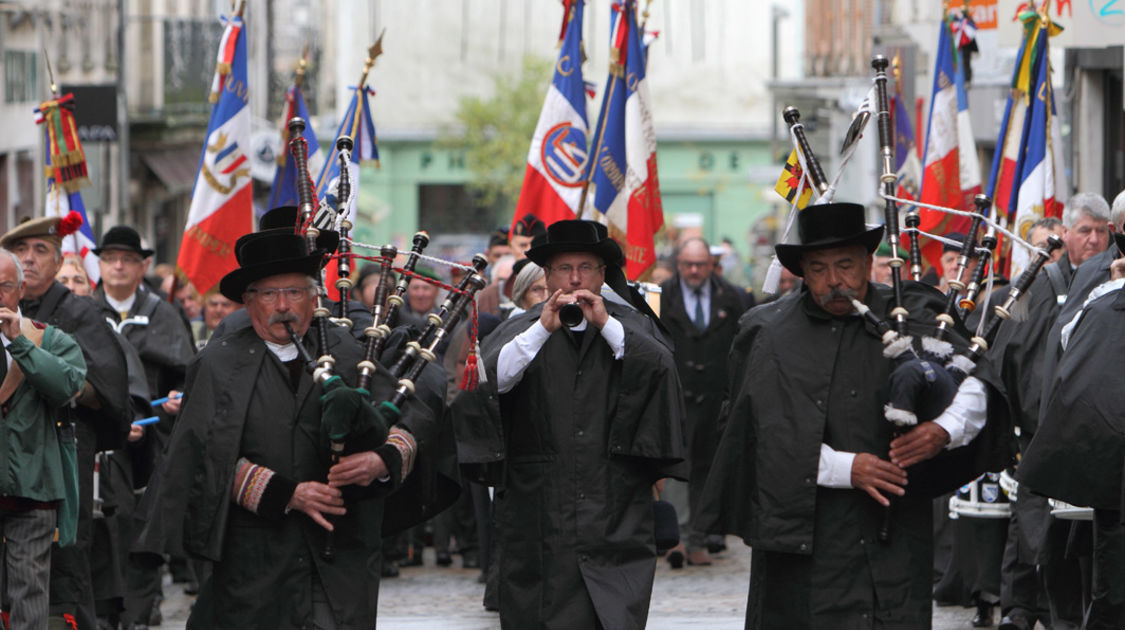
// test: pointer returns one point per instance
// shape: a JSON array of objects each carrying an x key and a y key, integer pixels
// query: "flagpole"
[
  {"x": 617, "y": 69},
  {"x": 373, "y": 53}
]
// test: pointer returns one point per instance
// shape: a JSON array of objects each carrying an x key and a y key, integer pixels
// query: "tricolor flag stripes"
[
  {"x": 358, "y": 124},
  {"x": 951, "y": 168},
  {"x": 284, "y": 191},
  {"x": 1027, "y": 178},
  {"x": 624, "y": 176},
  {"x": 221, "y": 201},
  {"x": 81, "y": 243},
  {"x": 556, "y": 162}
]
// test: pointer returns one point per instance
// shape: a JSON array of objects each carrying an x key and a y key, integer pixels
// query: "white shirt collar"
[
  {"x": 284, "y": 352},
  {"x": 125, "y": 305}
]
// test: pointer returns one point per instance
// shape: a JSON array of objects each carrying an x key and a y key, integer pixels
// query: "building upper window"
[{"x": 20, "y": 76}]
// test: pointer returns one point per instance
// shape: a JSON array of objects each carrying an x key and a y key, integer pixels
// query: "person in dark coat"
[
  {"x": 1078, "y": 453},
  {"x": 162, "y": 337},
  {"x": 700, "y": 311},
  {"x": 802, "y": 472},
  {"x": 1039, "y": 581},
  {"x": 247, "y": 481},
  {"x": 101, "y": 415},
  {"x": 573, "y": 426}
]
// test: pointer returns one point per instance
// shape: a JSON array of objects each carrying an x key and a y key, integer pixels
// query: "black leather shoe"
[
  {"x": 983, "y": 618},
  {"x": 390, "y": 569},
  {"x": 716, "y": 544},
  {"x": 1015, "y": 621},
  {"x": 676, "y": 558},
  {"x": 470, "y": 560},
  {"x": 444, "y": 559}
]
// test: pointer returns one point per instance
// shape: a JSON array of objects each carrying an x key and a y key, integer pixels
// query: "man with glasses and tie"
[
  {"x": 573, "y": 424},
  {"x": 701, "y": 312}
]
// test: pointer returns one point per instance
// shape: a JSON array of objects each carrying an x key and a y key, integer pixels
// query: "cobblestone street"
[{"x": 429, "y": 597}]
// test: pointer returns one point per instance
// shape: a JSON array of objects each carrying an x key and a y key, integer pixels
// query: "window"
[{"x": 20, "y": 74}]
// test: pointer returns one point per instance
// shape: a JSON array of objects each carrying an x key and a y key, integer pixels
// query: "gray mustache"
[{"x": 281, "y": 318}]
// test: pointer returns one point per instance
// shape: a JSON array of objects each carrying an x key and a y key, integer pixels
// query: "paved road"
[{"x": 429, "y": 597}]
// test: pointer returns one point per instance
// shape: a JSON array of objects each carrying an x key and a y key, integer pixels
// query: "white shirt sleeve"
[
  {"x": 614, "y": 334},
  {"x": 517, "y": 354},
  {"x": 835, "y": 468},
  {"x": 965, "y": 416}
]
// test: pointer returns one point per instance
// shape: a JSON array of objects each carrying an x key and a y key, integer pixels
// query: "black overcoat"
[
  {"x": 798, "y": 378},
  {"x": 188, "y": 504},
  {"x": 574, "y": 450}
]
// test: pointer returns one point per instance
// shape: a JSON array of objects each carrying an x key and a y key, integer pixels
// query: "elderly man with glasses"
[{"x": 248, "y": 483}]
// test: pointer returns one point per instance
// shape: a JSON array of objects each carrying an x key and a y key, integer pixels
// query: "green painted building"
[{"x": 722, "y": 187}]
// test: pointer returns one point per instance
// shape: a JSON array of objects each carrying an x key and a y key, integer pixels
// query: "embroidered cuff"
[
  {"x": 261, "y": 490},
  {"x": 406, "y": 446}
]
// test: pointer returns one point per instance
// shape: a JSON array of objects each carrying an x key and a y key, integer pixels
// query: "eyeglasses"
[
  {"x": 689, "y": 264},
  {"x": 269, "y": 296},
  {"x": 8, "y": 287},
  {"x": 585, "y": 269},
  {"x": 113, "y": 259}
]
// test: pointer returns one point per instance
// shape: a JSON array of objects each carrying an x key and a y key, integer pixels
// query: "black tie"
[{"x": 700, "y": 323}]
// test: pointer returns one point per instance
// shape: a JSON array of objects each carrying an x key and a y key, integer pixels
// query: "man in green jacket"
[{"x": 42, "y": 369}]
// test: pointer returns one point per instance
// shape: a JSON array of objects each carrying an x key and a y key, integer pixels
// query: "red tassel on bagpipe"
[{"x": 470, "y": 378}]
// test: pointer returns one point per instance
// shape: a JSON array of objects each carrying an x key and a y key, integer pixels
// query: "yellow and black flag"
[{"x": 790, "y": 181}]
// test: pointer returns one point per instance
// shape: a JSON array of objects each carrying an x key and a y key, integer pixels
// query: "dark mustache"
[
  {"x": 281, "y": 318},
  {"x": 838, "y": 294}
]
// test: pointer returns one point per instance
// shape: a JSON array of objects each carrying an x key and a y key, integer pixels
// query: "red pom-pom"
[{"x": 69, "y": 224}]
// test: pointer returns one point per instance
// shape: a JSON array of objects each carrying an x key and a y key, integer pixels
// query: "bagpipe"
[
  {"x": 349, "y": 419},
  {"x": 925, "y": 379}
]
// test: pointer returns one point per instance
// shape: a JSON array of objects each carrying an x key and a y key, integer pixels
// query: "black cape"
[
  {"x": 573, "y": 450},
  {"x": 1078, "y": 454}
]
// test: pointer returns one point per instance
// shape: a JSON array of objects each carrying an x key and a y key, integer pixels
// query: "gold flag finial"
[
  {"x": 896, "y": 67},
  {"x": 302, "y": 66},
  {"x": 373, "y": 53}
]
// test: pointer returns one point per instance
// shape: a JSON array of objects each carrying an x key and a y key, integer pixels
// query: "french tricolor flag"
[
  {"x": 556, "y": 162},
  {"x": 221, "y": 203},
  {"x": 947, "y": 175},
  {"x": 625, "y": 185},
  {"x": 1042, "y": 180}
]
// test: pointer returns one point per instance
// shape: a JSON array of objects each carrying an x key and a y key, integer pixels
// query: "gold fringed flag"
[
  {"x": 68, "y": 162},
  {"x": 790, "y": 182}
]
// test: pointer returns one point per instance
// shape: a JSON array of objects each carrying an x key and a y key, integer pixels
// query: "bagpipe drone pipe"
[{"x": 350, "y": 420}]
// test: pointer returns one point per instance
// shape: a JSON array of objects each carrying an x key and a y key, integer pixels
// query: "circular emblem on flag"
[
  {"x": 224, "y": 163},
  {"x": 563, "y": 154}
]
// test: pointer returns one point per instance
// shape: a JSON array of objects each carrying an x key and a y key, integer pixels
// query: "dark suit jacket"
[{"x": 701, "y": 360}]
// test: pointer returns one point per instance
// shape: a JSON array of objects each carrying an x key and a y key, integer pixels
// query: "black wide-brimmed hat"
[
  {"x": 264, "y": 254},
  {"x": 1119, "y": 238},
  {"x": 285, "y": 218},
  {"x": 826, "y": 226},
  {"x": 575, "y": 236},
  {"x": 124, "y": 238}
]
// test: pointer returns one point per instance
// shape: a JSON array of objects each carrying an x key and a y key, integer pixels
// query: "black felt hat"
[
  {"x": 826, "y": 226},
  {"x": 124, "y": 238},
  {"x": 1119, "y": 238},
  {"x": 285, "y": 218},
  {"x": 271, "y": 253},
  {"x": 575, "y": 236}
]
